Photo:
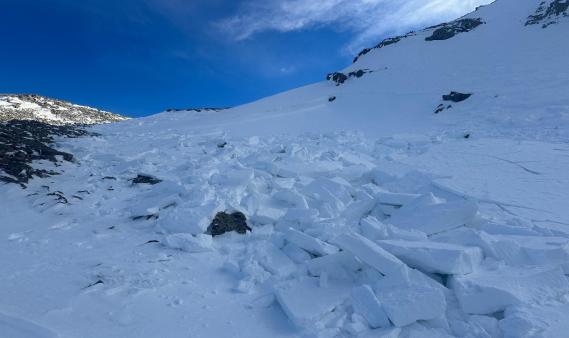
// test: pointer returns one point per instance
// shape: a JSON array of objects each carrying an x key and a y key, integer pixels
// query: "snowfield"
[{"x": 371, "y": 215}]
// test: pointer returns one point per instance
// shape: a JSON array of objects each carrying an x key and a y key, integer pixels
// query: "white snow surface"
[{"x": 371, "y": 216}]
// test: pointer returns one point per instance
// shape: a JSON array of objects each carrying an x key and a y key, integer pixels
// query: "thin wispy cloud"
[{"x": 367, "y": 19}]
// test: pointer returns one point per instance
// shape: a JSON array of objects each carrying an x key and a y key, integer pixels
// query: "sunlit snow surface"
[{"x": 372, "y": 216}]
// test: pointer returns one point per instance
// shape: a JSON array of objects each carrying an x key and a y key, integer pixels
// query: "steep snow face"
[
  {"x": 516, "y": 73},
  {"x": 51, "y": 111}
]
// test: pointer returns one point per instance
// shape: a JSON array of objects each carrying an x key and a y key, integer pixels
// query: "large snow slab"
[
  {"x": 486, "y": 292},
  {"x": 306, "y": 302},
  {"x": 544, "y": 321},
  {"x": 434, "y": 218},
  {"x": 371, "y": 253},
  {"x": 435, "y": 257}
]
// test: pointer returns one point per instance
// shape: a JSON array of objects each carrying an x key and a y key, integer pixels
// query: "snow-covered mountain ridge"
[
  {"x": 51, "y": 111},
  {"x": 420, "y": 192}
]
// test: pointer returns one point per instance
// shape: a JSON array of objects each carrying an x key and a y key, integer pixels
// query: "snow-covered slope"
[
  {"x": 51, "y": 111},
  {"x": 375, "y": 209}
]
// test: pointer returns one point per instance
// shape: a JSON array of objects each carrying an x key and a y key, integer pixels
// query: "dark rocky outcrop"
[
  {"x": 145, "y": 179},
  {"x": 456, "y": 97},
  {"x": 224, "y": 222},
  {"x": 548, "y": 14},
  {"x": 197, "y": 110},
  {"x": 449, "y": 30},
  {"x": 340, "y": 78},
  {"x": 22, "y": 142}
]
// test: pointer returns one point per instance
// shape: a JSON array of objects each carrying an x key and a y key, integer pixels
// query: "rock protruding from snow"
[
  {"x": 340, "y": 78},
  {"x": 449, "y": 30},
  {"x": 549, "y": 12},
  {"x": 456, "y": 97},
  {"x": 224, "y": 222},
  {"x": 23, "y": 142},
  {"x": 433, "y": 257},
  {"x": 486, "y": 292}
]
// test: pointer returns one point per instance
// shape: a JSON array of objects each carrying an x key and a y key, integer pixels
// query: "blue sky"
[{"x": 138, "y": 57}]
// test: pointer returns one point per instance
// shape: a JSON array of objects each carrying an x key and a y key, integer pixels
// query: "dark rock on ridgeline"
[
  {"x": 224, "y": 222},
  {"x": 449, "y": 30},
  {"x": 145, "y": 179},
  {"x": 383, "y": 43},
  {"x": 337, "y": 77},
  {"x": 340, "y": 78},
  {"x": 548, "y": 14},
  {"x": 456, "y": 97},
  {"x": 22, "y": 142},
  {"x": 198, "y": 110}
]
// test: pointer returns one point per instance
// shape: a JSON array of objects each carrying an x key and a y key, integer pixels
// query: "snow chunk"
[
  {"x": 370, "y": 253},
  {"x": 274, "y": 260},
  {"x": 486, "y": 292},
  {"x": 305, "y": 302},
  {"x": 190, "y": 243},
  {"x": 374, "y": 229},
  {"x": 434, "y": 218},
  {"x": 548, "y": 321},
  {"x": 366, "y": 304},
  {"x": 309, "y": 243},
  {"x": 449, "y": 259},
  {"x": 339, "y": 266},
  {"x": 408, "y": 300}
]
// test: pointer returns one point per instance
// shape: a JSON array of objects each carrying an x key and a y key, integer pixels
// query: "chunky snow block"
[
  {"x": 486, "y": 292},
  {"x": 448, "y": 259},
  {"x": 408, "y": 300},
  {"x": 309, "y": 243},
  {"x": 305, "y": 302},
  {"x": 435, "y": 218},
  {"x": 274, "y": 260},
  {"x": 370, "y": 253},
  {"x": 341, "y": 265},
  {"x": 549, "y": 320},
  {"x": 366, "y": 304}
]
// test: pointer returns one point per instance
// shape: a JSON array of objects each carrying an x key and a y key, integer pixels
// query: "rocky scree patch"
[
  {"x": 22, "y": 142},
  {"x": 340, "y": 78},
  {"x": 548, "y": 14}
]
